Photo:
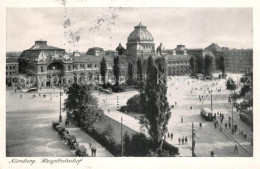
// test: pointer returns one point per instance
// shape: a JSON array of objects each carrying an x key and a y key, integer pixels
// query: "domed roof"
[{"x": 140, "y": 34}]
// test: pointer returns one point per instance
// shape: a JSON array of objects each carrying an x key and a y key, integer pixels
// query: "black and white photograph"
[{"x": 89, "y": 82}]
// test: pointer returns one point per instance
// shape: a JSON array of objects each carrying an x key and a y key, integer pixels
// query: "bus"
[
  {"x": 246, "y": 116},
  {"x": 207, "y": 114}
]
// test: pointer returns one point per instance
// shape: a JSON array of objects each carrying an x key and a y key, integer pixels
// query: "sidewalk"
[{"x": 84, "y": 139}]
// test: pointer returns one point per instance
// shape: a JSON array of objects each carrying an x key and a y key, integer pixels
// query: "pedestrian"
[
  {"x": 15, "y": 90},
  {"x": 225, "y": 125},
  {"x": 92, "y": 151},
  {"x": 95, "y": 151},
  {"x": 181, "y": 119},
  {"x": 90, "y": 144},
  {"x": 186, "y": 140},
  {"x": 212, "y": 153},
  {"x": 235, "y": 127},
  {"x": 221, "y": 120},
  {"x": 108, "y": 110},
  {"x": 179, "y": 140},
  {"x": 190, "y": 107},
  {"x": 175, "y": 103},
  {"x": 215, "y": 124},
  {"x": 182, "y": 140},
  {"x": 171, "y": 136},
  {"x": 66, "y": 122},
  {"x": 200, "y": 125},
  {"x": 236, "y": 149},
  {"x": 229, "y": 124},
  {"x": 245, "y": 135}
]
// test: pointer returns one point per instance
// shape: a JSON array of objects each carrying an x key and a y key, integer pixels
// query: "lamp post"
[
  {"x": 193, "y": 141},
  {"x": 60, "y": 117},
  {"x": 122, "y": 148},
  {"x": 232, "y": 102},
  {"x": 211, "y": 100}
]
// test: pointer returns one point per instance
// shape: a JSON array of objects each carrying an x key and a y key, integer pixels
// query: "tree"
[
  {"x": 157, "y": 110},
  {"x": 72, "y": 101},
  {"x": 207, "y": 65},
  {"x": 116, "y": 69},
  {"x": 127, "y": 144},
  {"x": 231, "y": 84},
  {"x": 103, "y": 70},
  {"x": 244, "y": 90},
  {"x": 222, "y": 64},
  {"x": 130, "y": 71},
  {"x": 140, "y": 74},
  {"x": 82, "y": 105},
  {"x": 192, "y": 64}
]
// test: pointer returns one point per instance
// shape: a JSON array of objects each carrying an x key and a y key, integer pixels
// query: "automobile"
[
  {"x": 199, "y": 76},
  {"x": 207, "y": 114},
  {"x": 55, "y": 124},
  {"x": 32, "y": 90},
  {"x": 100, "y": 89},
  {"x": 222, "y": 76},
  {"x": 244, "y": 105},
  {"x": 81, "y": 151},
  {"x": 62, "y": 132},
  {"x": 107, "y": 91},
  {"x": 71, "y": 142},
  {"x": 58, "y": 127}
]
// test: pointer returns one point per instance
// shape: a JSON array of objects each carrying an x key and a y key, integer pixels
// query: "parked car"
[
  {"x": 72, "y": 142},
  {"x": 32, "y": 90},
  {"x": 107, "y": 91},
  {"x": 55, "y": 124},
  {"x": 81, "y": 151},
  {"x": 222, "y": 76}
]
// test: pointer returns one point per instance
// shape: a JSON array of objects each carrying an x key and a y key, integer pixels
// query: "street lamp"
[
  {"x": 122, "y": 149},
  {"x": 232, "y": 102},
  {"x": 211, "y": 99},
  {"x": 60, "y": 117}
]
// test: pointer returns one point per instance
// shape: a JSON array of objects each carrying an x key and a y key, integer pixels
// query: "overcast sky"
[{"x": 82, "y": 28}]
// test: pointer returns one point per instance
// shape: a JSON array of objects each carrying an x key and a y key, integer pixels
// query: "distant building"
[
  {"x": 198, "y": 55},
  {"x": 12, "y": 68},
  {"x": 238, "y": 60},
  {"x": 217, "y": 52}
]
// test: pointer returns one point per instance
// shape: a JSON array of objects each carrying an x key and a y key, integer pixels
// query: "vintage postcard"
[{"x": 163, "y": 83}]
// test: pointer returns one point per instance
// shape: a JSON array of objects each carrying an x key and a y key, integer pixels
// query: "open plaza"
[{"x": 29, "y": 119}]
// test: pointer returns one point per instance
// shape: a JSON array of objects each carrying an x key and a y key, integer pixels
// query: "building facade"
[
  {"x": 50, "y": 65},
  {"x": 140, "y": 43},
  {"x": 12, "y": 70},
  {"x": 238, "y": 60}
]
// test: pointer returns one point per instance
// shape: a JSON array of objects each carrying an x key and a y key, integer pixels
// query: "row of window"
[
  {"x": 178, "y": 62},
  {"x": 89, "y": 66},
  {"x": 10, "y": 73},
  {"x": 10, "y": 67}
]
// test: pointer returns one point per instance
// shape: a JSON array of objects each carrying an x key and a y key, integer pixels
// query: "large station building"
[{"x": 46, "y": 62}]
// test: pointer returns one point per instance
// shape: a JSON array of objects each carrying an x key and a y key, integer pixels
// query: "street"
[
  {"x": 208, "y": 138},
  {"x": 28, "y": 127}
]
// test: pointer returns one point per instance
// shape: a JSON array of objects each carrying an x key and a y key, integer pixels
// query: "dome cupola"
[{"x": 140, "y": 33}]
